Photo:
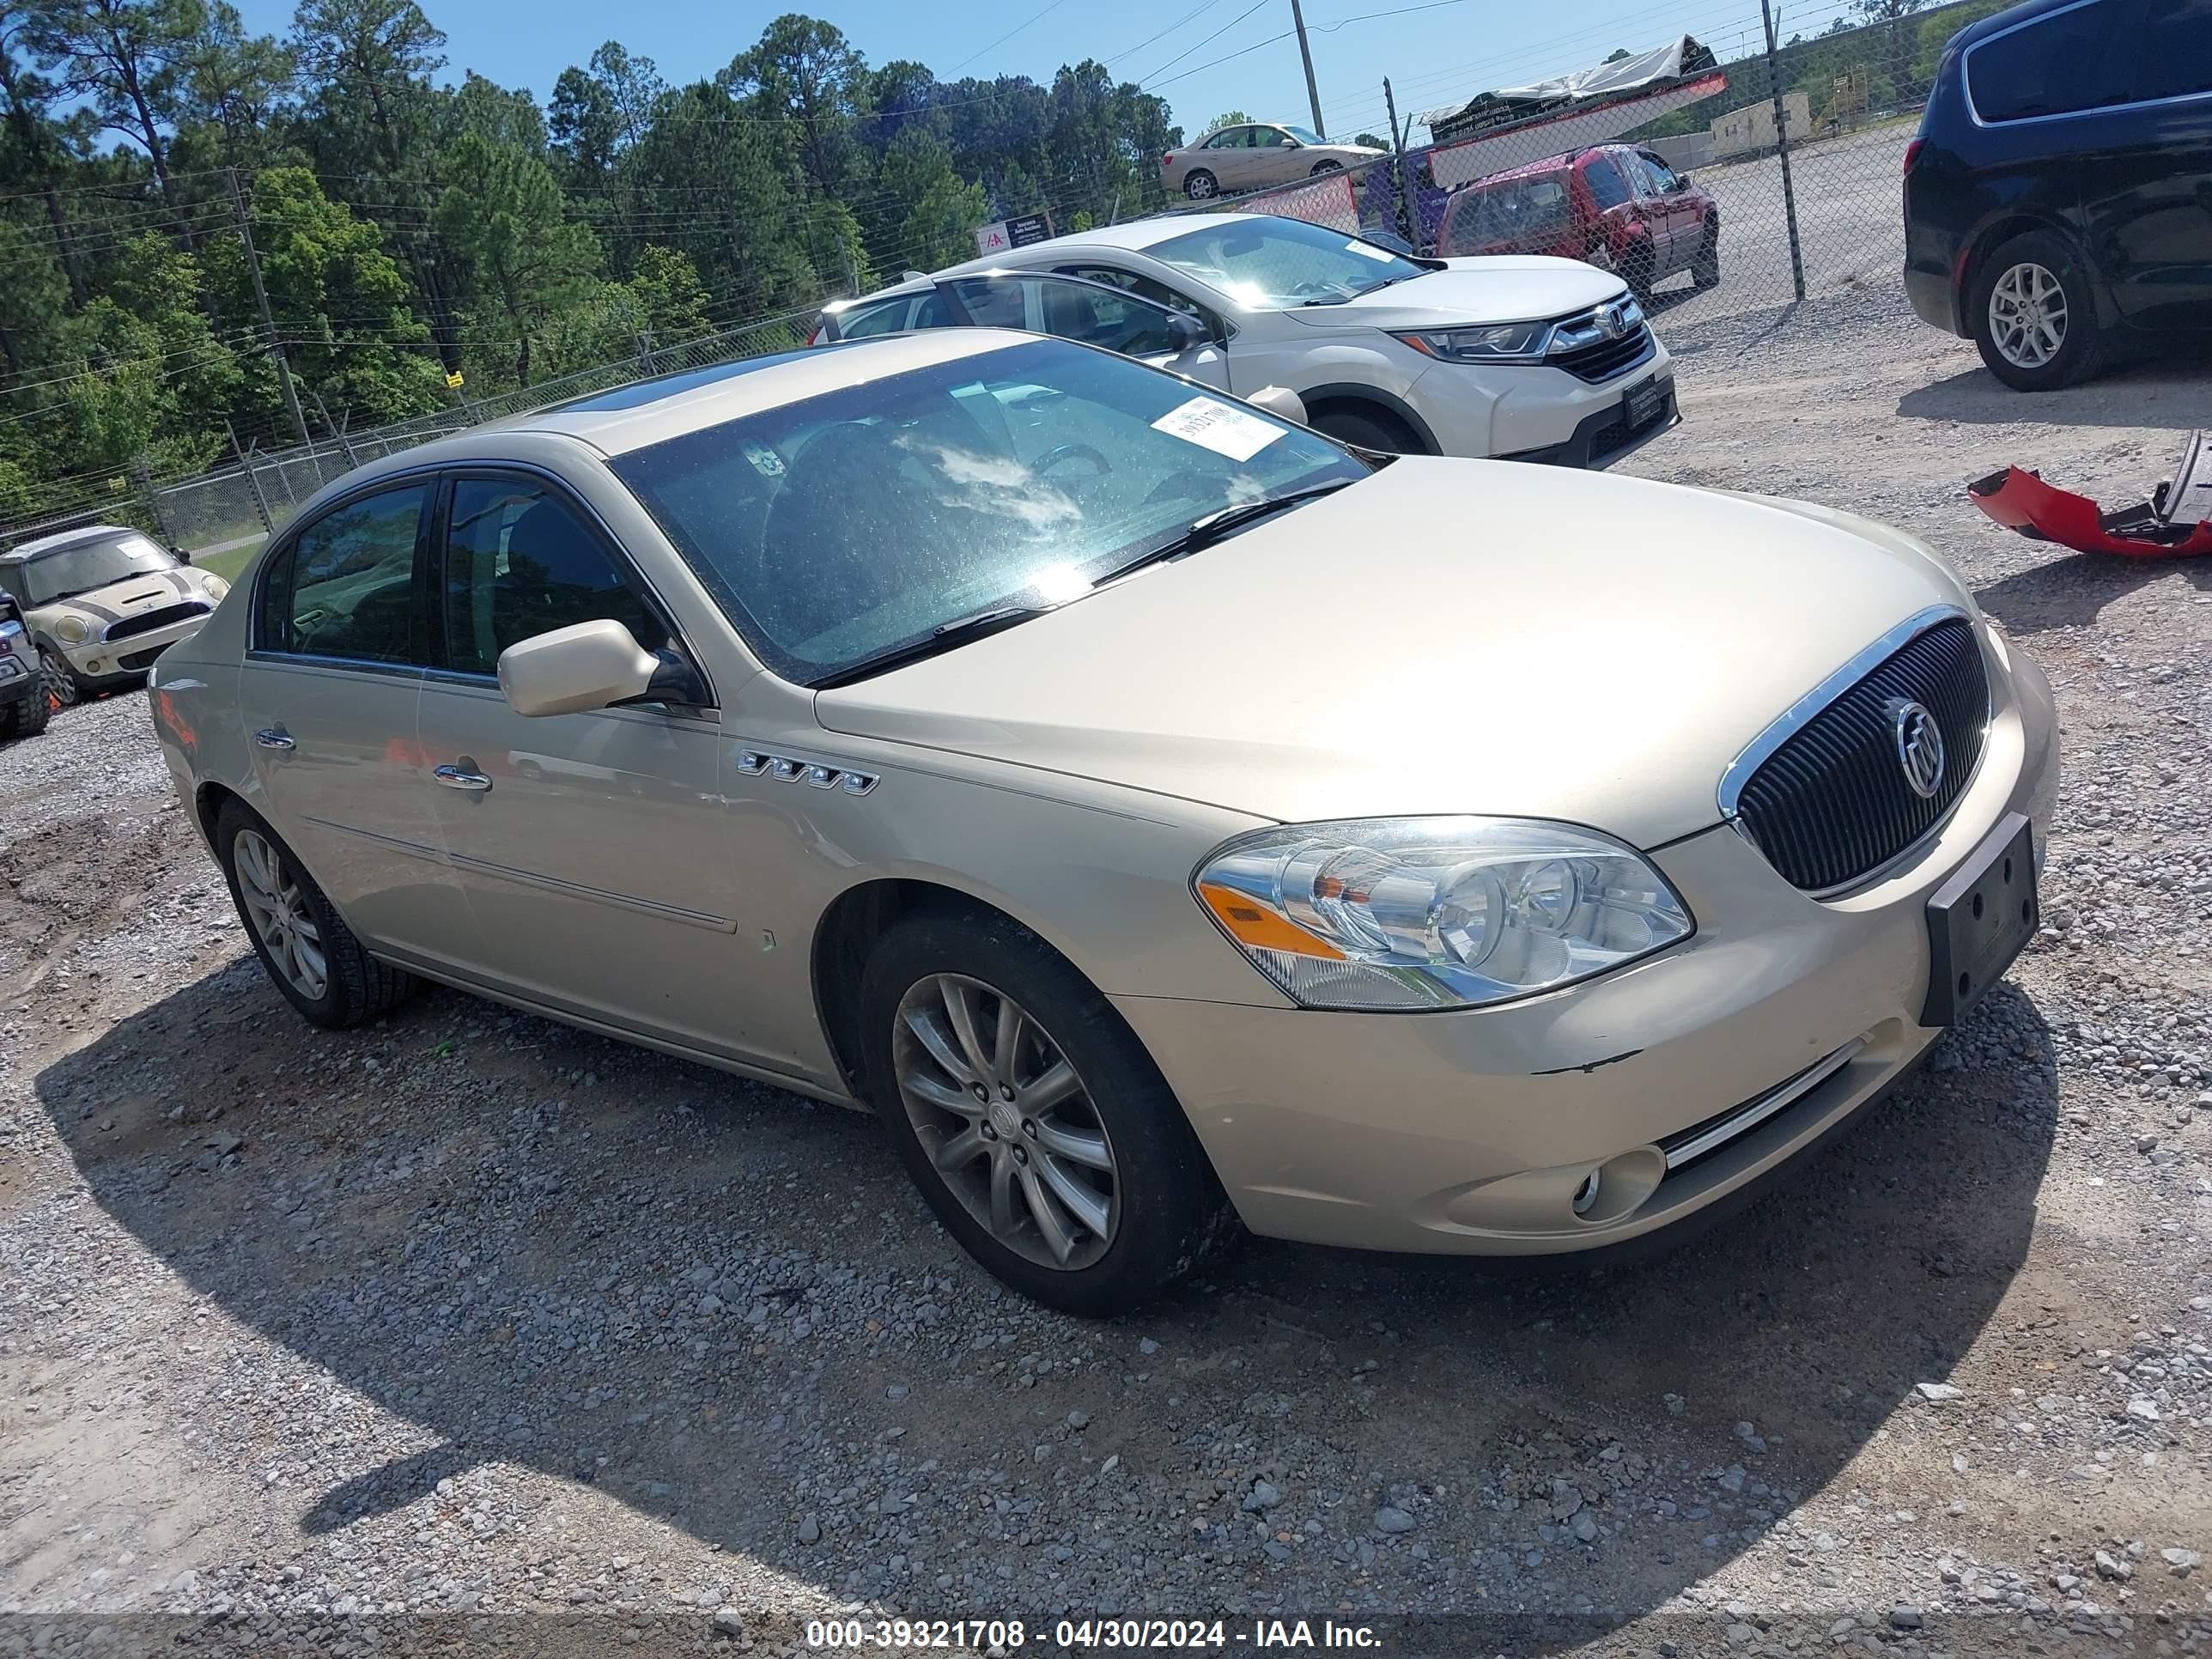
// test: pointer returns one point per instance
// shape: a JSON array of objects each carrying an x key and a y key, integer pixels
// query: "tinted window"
[
  {"x": 2175, "y": 57},
  {"x": 861, "y": 321},
  {"x": 2037, "y": 68},
  {"x": 1663, "y": 176},
  {"x": 841, "y": 527},
  {"x": 1606, "y": 186},
  {"x": 1234, "y": 138},
  {"x": 1512, "y": 210},
  {"x": 519, "y": 562},
  {"x": 348, "y": 588},
  {"x": 992, "y": 302},
  {"x": 1104, "y": 317},
  {"x": 1145, "y": 288}
]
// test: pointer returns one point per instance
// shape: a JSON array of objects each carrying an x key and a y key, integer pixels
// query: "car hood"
[
  {"x": 1511, "y": 287},
  {"x": 1446, "y": 636},
  {"x": 127, "y": 598}
]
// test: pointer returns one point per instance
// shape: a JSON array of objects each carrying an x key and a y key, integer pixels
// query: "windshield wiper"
[
  {"x": 1205, "y": 532},
  {"x": 945, "y": 637}
]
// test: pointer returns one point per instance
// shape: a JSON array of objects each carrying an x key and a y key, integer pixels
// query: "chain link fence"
[
  {"x": 1746, "y": 185},
  {"x": 235, "y": 506}
]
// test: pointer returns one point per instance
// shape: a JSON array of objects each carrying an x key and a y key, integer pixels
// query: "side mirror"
[
  {"x": 1280, "y": 401},
  {"x": 1187, "y": 331},
  {"x": 1287, "y": 143},
  {"x": 588, "y": 664},
  {"x": 180, "y": 556},
  {"x": 1681, "y": 181}
]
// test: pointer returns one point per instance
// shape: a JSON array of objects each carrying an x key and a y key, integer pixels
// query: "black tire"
[
  {"x": 1197, "y": 192},
  {"x": 1321, "y": 168},
  {"x": 61, "y": 678},
  {"x": 1635, "y": 270},
  {"x": 26, "y": 716},
  {"x": 1369, "y": 428},
  {"x": 1706, "y": 272},
  {"x": 357, "y": 987},
  {"x": 1173, "y": 1216},
  {"x": 2081, "y": 346}
]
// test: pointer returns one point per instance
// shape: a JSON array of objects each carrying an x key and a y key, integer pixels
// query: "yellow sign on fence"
[{"x": 454, "y": 380}]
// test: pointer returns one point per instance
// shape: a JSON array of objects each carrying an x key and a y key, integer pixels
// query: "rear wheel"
[
  {"x": 1705, "y": 271},
  {"x": 1198, "y": 184},
  {"x": 1037, "y": 1126},
  {"x": 2034, "y": 318},
  {"x": 309, "y": 952},
  {"x": 1369, "y": 428}
]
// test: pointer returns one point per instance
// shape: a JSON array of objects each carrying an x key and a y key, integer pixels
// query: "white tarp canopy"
[{"x": 1625, "y": 75}]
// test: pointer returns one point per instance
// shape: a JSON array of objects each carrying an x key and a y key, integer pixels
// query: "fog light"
[{"x": 1586, "y": 1195}]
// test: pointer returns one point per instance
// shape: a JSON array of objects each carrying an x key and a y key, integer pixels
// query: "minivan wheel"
[
  {"x": 2034, "y": 320},
  {"x": 309, "y": 952},
  {"x": 1198, "y": 184},
  {"x": 1037, "y": 1126}
]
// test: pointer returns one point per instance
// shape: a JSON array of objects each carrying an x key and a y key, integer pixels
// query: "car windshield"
[
  {"x": 852, "y": 525},
  {"x": 89, "y": 565},
  {"x": 1270, "y": 264},
  {"x": 1304, "y": 137}
]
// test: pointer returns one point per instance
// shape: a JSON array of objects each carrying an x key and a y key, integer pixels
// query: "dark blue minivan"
[{"x": 2058, "y": 198}]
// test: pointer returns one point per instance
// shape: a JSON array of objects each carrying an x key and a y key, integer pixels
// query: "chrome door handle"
[
  {"x": 455, "y": 777},
  {"x": 275, "y": 737}
]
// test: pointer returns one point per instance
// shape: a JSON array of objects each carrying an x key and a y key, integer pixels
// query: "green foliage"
[
  {"x": 501, "y": 222},
  {"x": 1235, "y": 117}
]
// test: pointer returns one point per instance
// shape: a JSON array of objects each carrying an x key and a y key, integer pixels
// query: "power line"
[{"x": 1053, "y": 6}]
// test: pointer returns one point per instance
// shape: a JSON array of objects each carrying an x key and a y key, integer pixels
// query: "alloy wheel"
[
  {"x": 278, "y": 909},
  {"x": 1005, "y": 1120},
  {"x": 2028, "y": 316},
  {"x": 1198, "y": 187},
  {"x": 61, "y": 684}
]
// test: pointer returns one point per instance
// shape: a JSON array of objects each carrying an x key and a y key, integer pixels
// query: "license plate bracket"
[
  {"x": 1645, "y": 404},
  {"x": 1979, "y": 920}
]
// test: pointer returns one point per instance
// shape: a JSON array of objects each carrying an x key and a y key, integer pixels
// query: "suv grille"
[
  {"x": 1832, "y": 804},
  {"x": 146, "y": 622},
  {"x": 1608, "y": 358}
]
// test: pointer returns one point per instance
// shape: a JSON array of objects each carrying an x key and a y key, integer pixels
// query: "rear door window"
[
  {"x": 345, "y": 588},
  {"x": 1609, "y": 189},
  {"x": 2174, "y": 59},
  {"x": 2043, "y": 67},
  {"x": 887, "y": 318}
]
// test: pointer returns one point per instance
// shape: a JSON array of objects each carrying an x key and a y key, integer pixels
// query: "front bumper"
[
  {"x": 103, "y": 662},
  {"x": 1607, "y": 435},
  {"x": 1472, "y": 1132},
  {"x": 1531, "y": 412}
]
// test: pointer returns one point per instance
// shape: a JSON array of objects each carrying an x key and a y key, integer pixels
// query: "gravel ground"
[{"x": 468, "y": 1331}]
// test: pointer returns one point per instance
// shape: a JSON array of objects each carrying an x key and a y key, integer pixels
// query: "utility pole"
[
  {"x": 1313, "y": 92},
  {"x": 261, "y": 299},
  {"x": 1781, "y": 149},
  {"x": 1409, "y": 213}
]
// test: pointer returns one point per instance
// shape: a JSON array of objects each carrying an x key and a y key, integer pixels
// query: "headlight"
[
  {"x": 215, "y": 587},
  {"x": 1500, "y": 342},
  {"x": 11, "y": 629},
  {"x": 71, "y": 630},
  {"x": 1436, "y": 913}
]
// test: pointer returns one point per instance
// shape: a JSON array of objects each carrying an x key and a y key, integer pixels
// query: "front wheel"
[
  {"x": 1321, "y": 168},
  {"x": 1368, "y": 429},
  {"x": 61, "y": 678},
  {"x": 1037, "y": 1126},
  {"x": 1199, "y": 185},
  {"x": 26, "y": 716},
  {"x": 2034, "y": 320},
  {"x": 309, "y": 952}
]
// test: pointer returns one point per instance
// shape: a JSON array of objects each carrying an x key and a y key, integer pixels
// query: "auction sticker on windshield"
[
  {"x": 1212, "y": 424},
  {"x": 1381, "y": 254}
]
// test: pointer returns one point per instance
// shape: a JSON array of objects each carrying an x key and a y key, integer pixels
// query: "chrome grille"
[{"x": 1830, "y": 803}]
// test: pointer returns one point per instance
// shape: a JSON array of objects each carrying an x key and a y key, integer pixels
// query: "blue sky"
[{"x": 1435, "y": 53}]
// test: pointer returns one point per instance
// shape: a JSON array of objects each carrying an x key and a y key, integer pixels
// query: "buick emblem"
[{"x": 1919, "y": 746}]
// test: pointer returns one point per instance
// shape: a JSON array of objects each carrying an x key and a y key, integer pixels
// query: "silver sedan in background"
[{"x": 1159, "y": 814}]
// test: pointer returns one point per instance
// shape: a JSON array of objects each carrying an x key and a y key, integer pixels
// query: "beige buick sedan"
[{"x": 1156, "y": 812}]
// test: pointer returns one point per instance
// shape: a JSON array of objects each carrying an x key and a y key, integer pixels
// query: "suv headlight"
[
  {"x": 1436, "y": 913},
  {"x": 71, "y": 629},
  {"x": 1498, "y": 342},
  {"x": 10, "y": 628}
]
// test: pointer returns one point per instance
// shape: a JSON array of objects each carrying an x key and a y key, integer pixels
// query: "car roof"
[
  {"x": 1560, "y": 163},
  {"x": 83, "y": 535},
  {"x": 647, "y": 412}
]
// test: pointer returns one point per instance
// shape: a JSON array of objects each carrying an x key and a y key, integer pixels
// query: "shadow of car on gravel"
[
  {"x": 432, "y": 1250},
  {"x": 2166, "y": 391}
]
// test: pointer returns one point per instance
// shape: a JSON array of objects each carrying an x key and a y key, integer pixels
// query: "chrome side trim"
[
  {"x": 789, "y": 768},
  {"x": 594, "y": 895},
  {"x": 1749, "y": 1117},
  {"x": 1799, "y": 713}
]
